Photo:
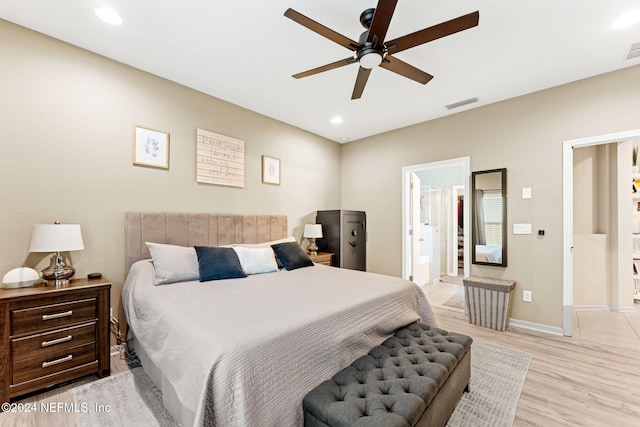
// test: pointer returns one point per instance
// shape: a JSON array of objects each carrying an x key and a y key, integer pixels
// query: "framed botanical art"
[
  {"x": 150, "y": 147},
  {"x": 270, "y": 170}
]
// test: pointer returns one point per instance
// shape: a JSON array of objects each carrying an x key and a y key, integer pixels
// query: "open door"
[
  {"x": 458, "y": 172},
  {"x": 420, "y": 268}
]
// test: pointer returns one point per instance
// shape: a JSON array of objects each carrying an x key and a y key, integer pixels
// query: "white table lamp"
[
  {"x": 312, "y": 232},
  {"x": 57, "y": 238}
]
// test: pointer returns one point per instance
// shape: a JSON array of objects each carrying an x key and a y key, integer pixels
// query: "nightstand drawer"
[
  {"x": 34, "y": 319},
  {"x": 54, "y": 361},
  {"x": 37, "y": 345}
]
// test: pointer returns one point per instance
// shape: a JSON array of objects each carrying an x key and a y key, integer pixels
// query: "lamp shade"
[
  {"x": 312, "y": 231},
  {"x": 56, "y": 238}
]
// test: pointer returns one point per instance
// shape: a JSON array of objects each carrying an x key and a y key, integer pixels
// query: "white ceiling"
[{"x": 245, "y": 52}]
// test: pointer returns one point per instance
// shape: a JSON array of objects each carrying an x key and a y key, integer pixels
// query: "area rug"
[
  {"x": 456, "y": 300},
  {"x": 497, "y": 376},
  {"x": 121, "y": 400}
]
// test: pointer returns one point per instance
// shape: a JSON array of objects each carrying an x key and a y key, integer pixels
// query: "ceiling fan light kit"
[
  {"x": 370, "y": 59},
  {"x": 372, "y": 51}
]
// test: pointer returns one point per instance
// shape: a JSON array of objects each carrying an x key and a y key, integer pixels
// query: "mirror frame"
[{"x": 503, "y": 172}]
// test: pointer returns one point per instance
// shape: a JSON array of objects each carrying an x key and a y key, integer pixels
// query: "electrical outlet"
[{"x": 526, "y": 296}]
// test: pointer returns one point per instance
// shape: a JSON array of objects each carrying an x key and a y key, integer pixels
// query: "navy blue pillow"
[
  {"x": 215, "y": 263},
  {"x": 291, "y": 255}
]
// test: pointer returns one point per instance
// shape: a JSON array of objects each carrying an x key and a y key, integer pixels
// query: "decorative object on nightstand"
[
  {"x": 20, "y": 277},
  {"x": 312, "y": 232},
  {"x": 57, "y": 238}
]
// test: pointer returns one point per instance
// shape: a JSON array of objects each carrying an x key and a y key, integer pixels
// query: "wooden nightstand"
[
  {"x": 322, "y": 258},
  {"x": 52, "y": 335}
]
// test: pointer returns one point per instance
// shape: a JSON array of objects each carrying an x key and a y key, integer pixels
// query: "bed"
[
  {"x": 486, "y": 253},
  {"x": 245, "y": 351}
]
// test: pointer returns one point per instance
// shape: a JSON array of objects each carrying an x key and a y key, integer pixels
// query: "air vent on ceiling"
[
  {"x": 634, "y": 52},
  {"x": 461, "y": 103}
]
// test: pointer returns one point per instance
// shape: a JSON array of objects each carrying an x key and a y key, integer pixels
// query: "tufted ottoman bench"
[{"x": 414, "y": 378}]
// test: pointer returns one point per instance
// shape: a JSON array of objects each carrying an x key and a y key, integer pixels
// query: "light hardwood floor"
[
  {"x": 52, "y": 416},
  {"x": 571, "y": 381}
]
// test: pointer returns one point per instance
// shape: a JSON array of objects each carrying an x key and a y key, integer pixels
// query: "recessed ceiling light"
[
  {"x": 336, "y": 120},
  {"x": 626, "y": 19},
  {"x": 109, "y": 15}
]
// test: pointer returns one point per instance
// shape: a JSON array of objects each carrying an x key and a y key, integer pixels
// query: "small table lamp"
[
  {"x": 57, "y": 238},
  {"x": 312, "y": 232}
]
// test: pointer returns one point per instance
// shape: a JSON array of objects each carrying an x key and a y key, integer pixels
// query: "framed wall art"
[
  {"x": 150, "y": 147},
  {"x": 270, "y": 170},
  {"x": 219, "y": 159}
]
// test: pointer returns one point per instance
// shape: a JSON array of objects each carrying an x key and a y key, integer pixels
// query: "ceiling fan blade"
[
  {"x": 321, "y": 29},
  {"x": 381, "y": 21},
  {"x": 361, "y": 81},
  {"x": 333, "y": 65},
  {"x": 433, "y": 33},
  {"x": 409, "y": 71}
]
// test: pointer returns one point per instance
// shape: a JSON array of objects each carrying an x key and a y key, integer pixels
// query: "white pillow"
[
  {"x": 173, "y": 263},
  {"x": 265, "y": 244},
  {"x": 256, "y": 260}
]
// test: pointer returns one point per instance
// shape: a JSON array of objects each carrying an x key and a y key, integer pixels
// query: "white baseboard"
[
  {"x": 554, "y": 330},
  {"x": 591, "y": 307},
  {"x": 623, "y": 309}
]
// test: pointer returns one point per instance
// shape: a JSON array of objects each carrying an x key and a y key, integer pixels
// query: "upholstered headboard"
[{"x": 203, "y": 229}]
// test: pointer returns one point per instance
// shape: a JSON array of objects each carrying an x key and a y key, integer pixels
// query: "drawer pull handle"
[
  {"x": 57, "y": 341},
  {"x": 57, "y": 315},
  {"x": 55, "y": 362}
]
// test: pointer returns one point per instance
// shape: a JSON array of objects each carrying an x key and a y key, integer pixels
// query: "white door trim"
[{"x": 567, "y": 215}]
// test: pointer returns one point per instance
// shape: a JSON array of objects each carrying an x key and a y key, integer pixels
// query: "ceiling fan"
[{"x": 372, "y": 50}]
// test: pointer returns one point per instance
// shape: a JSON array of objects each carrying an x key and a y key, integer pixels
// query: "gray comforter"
[{"x": 244, "y": 352}]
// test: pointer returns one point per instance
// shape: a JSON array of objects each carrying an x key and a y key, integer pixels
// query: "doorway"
[
  {"x": 568, "y": 221},
  {"x": 435, "y": 220}
]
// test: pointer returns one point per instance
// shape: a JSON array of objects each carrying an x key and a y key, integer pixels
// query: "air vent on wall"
[
  {"x": 461, "y": 103},
  {"x": 634, "y": 52}
]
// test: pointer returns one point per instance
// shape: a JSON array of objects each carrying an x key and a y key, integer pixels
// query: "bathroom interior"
[{"x": 442, "y": 231}]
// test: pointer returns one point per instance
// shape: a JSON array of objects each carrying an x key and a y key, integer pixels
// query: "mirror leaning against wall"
[{"x": 489, "y": 217}]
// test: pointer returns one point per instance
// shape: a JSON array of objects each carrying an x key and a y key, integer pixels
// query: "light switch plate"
[
  {"x": 526, "y": 193},
  {"x": 521, "y": 228}
]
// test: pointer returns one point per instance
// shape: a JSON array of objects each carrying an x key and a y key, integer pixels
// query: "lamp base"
[
  {"x": 57, "y": 283},
  {"x": 58, "y": 272},
  {"x": 312, "y": 248}
]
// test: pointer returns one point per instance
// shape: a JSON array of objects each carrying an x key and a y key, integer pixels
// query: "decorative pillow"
[
  {"x": 173, "y": 263},
  {"x": 215, "y": 263},
  {"x": 265, "y": 244},
  {"x": 256, "y": 260},
  {"x": 291, "y": 255}
]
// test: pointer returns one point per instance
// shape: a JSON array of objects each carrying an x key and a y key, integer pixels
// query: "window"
[{"x": 492, "y": 204}]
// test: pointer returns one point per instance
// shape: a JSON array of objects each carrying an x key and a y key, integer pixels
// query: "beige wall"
[
  {"x": 66, "y": 124},
  {"x": 59, "y": 103},
  {"x": 591, "y": 185},
  {"x": 591, "y": 176},
  {"x": 525, "y": 135},
  {"x": 602, "y": 247}
]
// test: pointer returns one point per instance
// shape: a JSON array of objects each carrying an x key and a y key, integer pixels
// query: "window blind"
[{"x": 492, "y": 204}]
